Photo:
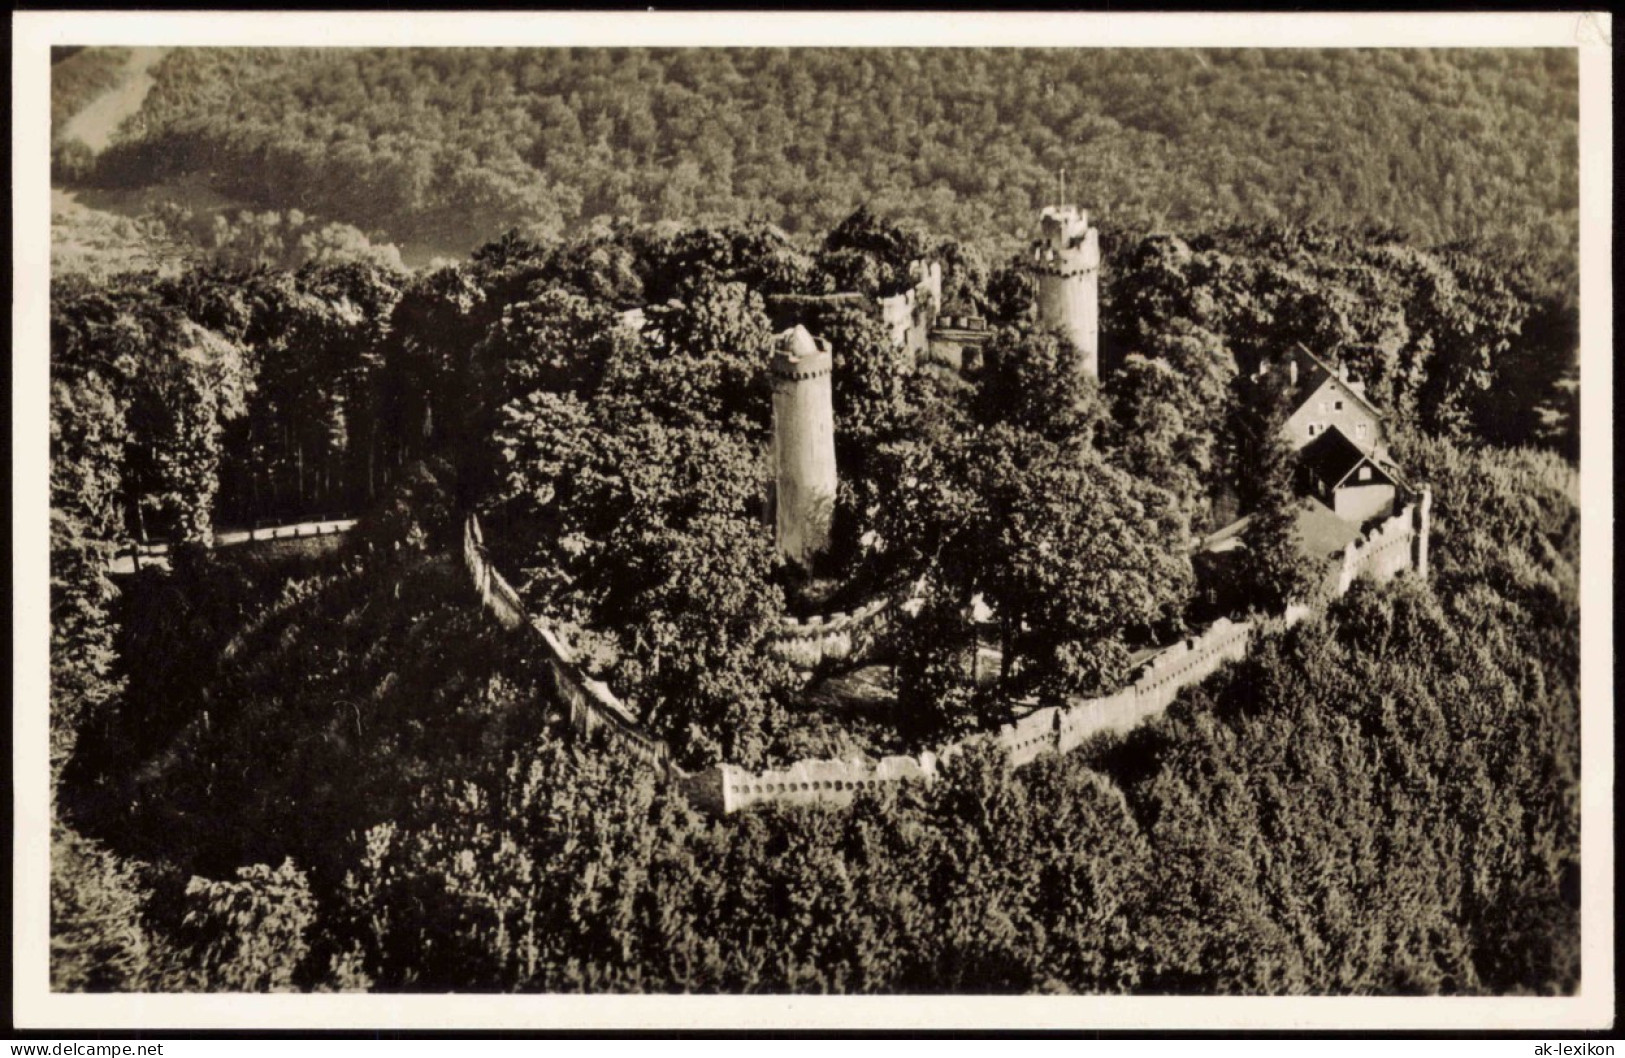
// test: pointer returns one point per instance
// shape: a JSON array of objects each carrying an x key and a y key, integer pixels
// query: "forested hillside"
[
  {"x": 309, "y": 778},
  {"x": 337, "y": 772},
  {"x": 448, "y": 148},
  {"x": 1382, "y": 802},
  {"x": 78, "y": 76}
]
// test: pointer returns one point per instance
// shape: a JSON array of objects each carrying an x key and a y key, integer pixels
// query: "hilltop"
[
  {"x": 1381, "y": 801},
  {"x": 352, "y": 770},
  {"x": 323, "y": 695}
]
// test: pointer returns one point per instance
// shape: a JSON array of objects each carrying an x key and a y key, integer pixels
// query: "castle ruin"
[{"x": 1365, "y": 525}]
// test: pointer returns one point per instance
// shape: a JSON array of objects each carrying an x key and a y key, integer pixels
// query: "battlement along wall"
[
  {"x": 1159, "y": 682},
  {"x": 841, "y": 636},
  {"x": 1032, "y": 736},
  {"x": 1384, "y": 551},
  {"x": 824, "y": 782},
  {"x": 1050, "y": 729},
  {"x": 1190, "y": 661},
  {"x": 1084, "y": 718},
  {"x": 1389, "y": 548}
]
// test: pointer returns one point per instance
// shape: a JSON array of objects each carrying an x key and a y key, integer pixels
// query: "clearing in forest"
[{"x": 95, "y": 124}]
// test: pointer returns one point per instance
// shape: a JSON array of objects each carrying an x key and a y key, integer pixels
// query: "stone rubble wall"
[{"x": 908, "y": 316}]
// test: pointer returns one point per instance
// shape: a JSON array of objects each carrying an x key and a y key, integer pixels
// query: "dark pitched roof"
[
  {"x": 1331, "y": 457},
  {"x": 1312, "y": 374}
]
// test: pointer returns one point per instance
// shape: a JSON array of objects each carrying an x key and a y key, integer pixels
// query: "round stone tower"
[
  {"x": 803, "y": 445},
  {"x": 1066, "y": 260}
]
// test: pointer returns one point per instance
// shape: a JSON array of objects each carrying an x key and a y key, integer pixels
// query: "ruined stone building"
[
  {"x": 1345, "y": 478},
  {"x": 804, "y": 479}
]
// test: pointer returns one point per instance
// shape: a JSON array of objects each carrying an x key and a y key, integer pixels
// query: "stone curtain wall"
[
  {"x": 1053, "y": 729},
  {"x": 1398, "y": 544},
  {"x": 496, "y": 595},
  {"x": 591, "y": 706},
  {"x": 284, "y": 532},
  {"x": 830, "y": 782},
  {"x": 1391, "y": 547},
  {"x": 129, "y": 558}
]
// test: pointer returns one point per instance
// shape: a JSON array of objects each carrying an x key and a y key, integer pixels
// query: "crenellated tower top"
[
  {"x": 1066, "y": 244},
  {"x": 798, "y": 356}
]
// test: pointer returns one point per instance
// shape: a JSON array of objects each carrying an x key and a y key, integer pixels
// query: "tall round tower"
[
  {"x": 1066, "y": 259},
  {"x": 803, "y": 444}
]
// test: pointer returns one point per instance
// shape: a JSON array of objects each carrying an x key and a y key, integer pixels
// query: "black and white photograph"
[{"x": 556, "y": 515}]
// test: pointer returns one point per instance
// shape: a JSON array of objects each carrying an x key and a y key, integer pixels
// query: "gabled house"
[
  {"x": 1322, "y": 397},
  {"x": 1349, "y": 492},
  {"x": 1357, "y": 484}
]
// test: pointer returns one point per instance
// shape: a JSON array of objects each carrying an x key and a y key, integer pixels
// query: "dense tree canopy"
[
  {"x": 220, "y": 396},
  {"x": 654, "y": 541},
  {"x": 1381, "y": 801},
  {"x": 448, "y": 147},
  {"x": 313, "y": 777}
]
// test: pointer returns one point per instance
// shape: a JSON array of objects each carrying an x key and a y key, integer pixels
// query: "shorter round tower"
[
  {"x": 1066, "y": 261},
  {"x": 804, "y": 478}
]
